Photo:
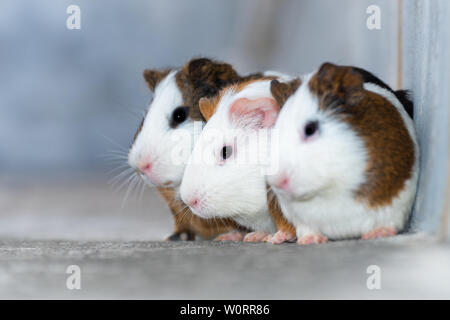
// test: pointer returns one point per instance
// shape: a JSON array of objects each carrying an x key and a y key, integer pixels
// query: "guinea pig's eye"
[
  {"x": 179, "y": 115},
  {"x": 226, "y": 152},
  {"x": 310, "y": 129}
]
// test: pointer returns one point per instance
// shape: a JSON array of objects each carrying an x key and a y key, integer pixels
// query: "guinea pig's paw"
[
  {"x": 256, "y": 236},
  {"x": 230, "y": 236},
  {"x": 312, "y": 239},
  {"x": 281, "y": 236},
  {"x": 381, "y": 232},
  {"x": 174, "y": 237},
  {"x": 181, "y": 236}
]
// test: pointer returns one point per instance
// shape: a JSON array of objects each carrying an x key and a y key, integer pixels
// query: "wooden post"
[{"x": 426, "y": 71}]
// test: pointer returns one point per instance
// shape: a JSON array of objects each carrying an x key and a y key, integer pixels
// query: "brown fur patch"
[
  {"x": 277, "y": 215},
  {"x": 153, "y": 77},
  {"x": 281, "y": 91},
  {"x": 187, "y": 222},
  {"x": 389, "y": 146},
  {"x": 337, "y": 85},
  {"x": 208, "y": 106},
  {"x": 138, "y": 130},
  {"x": 203, "y": 78}
]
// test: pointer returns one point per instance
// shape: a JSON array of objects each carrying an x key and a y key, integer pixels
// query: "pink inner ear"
[{"x": 255, "y": 113}]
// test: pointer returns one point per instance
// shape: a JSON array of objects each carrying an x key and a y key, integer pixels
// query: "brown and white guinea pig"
[
  {"x": 224, "y": 177},
  {"x": 165, "y": 138},
  {"x": 348, "y": 164}
]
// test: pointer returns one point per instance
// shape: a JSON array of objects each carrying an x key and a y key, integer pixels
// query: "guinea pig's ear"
[
  {"x": 254, "y": 113},
  {"x": 207, "y": 107},
  {"x": 281, "y": 91},
  {"x": 342, "y": 82},
  {"x": 208, "y": 77},
  {"x": 153, "y": 77}
]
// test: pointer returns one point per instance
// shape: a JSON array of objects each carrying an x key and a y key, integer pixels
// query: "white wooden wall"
[{"x": 426, "y": 70}]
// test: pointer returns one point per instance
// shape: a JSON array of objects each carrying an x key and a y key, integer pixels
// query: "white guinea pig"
[
  {"x": 170, "y": 126},
  {"x": 349, "y": 156},
  {"x": 221, "y": 180}
]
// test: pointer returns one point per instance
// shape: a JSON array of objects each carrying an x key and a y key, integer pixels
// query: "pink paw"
[
  {"x": 381, "y": 232},
  {"x": 312, "y": 239},
  {"x": 280, "y": 237},
  {"x": 256, "y": 236},
  {"x": 230, "y": 236}
]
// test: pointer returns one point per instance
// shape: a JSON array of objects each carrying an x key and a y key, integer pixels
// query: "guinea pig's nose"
[
  {"x": 193, "y": 202},
  {"x": 282, "y": 182},
  {"x": 145, "y": 167}
]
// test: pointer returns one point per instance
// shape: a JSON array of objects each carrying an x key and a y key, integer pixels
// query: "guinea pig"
[
  {"x": 348, "y": 156},
  {"x": 165, "y": 138},
  {"x": 220, "y": 179}
]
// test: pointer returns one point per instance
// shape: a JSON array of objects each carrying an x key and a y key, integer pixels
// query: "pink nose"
[
  {"x": 282, "y": 183},
  {"x": 193, "y": 202},
  {"x": 146, "y": 168}
]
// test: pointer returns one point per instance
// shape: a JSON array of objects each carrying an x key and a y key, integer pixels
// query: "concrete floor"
[{"x": 46, "y": 229}]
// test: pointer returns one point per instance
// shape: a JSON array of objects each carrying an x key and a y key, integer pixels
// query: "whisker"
[
  {"x": 113, "y": 158},
  {"x": 135, "y": 114},
  {"x": 192, "y": 217},
  {"x": 119, "y": 153},
  {"x": 115, "y": 162},
  {"x": 129, "y": 189},
  {"x": 184, "y": 214},
  {"x": 114, "y": 142},
  {"x": 125, "y": 181},
  {"x": 217, "y": 224},
  {"x": 122, "y": 167},
  {"x": 120, "y": 176},
  {"x": 183, "y": 208},
  {"x": 142, "y": 186}
]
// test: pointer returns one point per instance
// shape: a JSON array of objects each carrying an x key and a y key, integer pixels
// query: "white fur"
[
  {"x": 157, "y": 140},
  {"x": 232, "y": 189},
  {"x": 324, "y": 173}
]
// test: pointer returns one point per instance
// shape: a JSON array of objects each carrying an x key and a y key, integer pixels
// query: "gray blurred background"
[{"x": 68, "y": 97}]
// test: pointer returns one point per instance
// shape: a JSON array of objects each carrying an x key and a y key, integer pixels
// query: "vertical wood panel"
[
  {"x": 400, "y": 45},
  {"x": 426, "y": 73}
]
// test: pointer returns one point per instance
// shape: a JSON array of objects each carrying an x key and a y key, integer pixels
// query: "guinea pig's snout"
[
  {"x": 282, "y": 182},
  {"x": 194, "y": 200},
  {"x": 146, "y": 167}
]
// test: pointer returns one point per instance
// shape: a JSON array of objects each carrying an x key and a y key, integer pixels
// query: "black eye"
[
  {"x": 311, "y": 128},
  {"x": 227, "y": 151},
  {"x": 179, "y": 115}
]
